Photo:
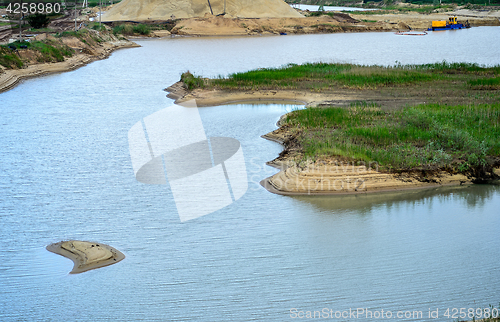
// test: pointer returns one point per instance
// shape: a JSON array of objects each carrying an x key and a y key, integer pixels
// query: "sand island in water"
[{"x": 86, "y": 255}]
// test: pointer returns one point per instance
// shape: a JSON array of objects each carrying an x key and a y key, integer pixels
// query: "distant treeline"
[{"x": 392, "y": 2}]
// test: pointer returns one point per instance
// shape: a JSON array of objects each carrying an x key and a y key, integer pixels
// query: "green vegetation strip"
[
  {"x": 323, "y": 75},
  {"x": 426, "y": 137},
  {"x": 48, "y": 51},
  {"x": 45, "y": 51}
]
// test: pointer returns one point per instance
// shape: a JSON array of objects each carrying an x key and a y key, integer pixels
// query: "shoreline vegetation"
[
  {"x": 86, "y": 255},
  {"x": 371, "y": 128},
  {"x": 46, "y": 54}
]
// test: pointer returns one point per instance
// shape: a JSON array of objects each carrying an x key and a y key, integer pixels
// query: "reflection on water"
[{"x": 470, "y": 196}]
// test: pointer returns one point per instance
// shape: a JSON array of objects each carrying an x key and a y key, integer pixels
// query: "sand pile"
[{"x": 143, "y": 10}]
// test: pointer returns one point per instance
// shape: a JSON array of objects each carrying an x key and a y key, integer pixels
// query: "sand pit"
[
  {"x": 86, "y": 255},
  {"x": 144, "y": 10}
]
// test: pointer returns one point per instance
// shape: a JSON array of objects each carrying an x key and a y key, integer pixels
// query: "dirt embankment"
[
  {"x": 140, "y": 10},
  {"x": 337, "y": 22},
  {"x": 418, "y": 21},
  {"x": 84, "y": 52}
]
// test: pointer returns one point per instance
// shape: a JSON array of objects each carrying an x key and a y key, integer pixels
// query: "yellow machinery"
[
  {"x": 442, "y": 23},
  {"x": 452, "y": 23},
  {"x": 437, "y": 24}
]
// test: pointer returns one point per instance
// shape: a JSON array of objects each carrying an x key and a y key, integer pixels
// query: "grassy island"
[{"x": 422, "y": 118}]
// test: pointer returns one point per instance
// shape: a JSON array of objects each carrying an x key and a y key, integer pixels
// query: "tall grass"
[
  {"x": 328, "y": 74},
  {"x": 485, "y": 83},
  {"x": 425, "y": 137},
  {"x": 348, "y": 75}
]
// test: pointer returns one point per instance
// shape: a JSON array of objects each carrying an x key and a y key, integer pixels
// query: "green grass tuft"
[{"x": 191, "y": 82}]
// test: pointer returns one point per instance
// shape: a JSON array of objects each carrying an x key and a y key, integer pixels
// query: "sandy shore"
[
  {"x": 10, "y": 78},
  {"x": 86, "y": 255}
]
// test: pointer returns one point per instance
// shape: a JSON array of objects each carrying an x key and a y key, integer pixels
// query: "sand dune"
[{"x": 143, "y": 10}]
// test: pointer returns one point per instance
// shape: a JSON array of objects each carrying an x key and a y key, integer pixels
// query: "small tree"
[{"x": 38, "y": 20}]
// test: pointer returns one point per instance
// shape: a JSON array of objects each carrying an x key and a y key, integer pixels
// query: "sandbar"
[{"x": 86, "y": 255}]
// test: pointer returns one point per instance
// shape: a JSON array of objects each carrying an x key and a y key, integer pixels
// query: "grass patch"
[
  {"x": 485, "y": 83},
  {"x": 191, "y": 82},
  {"x": 128, "y": 29},
  {"x": 9, "y": 59},
  {"x": 425, "y": 137},
  {"x": 50, "y": 51},
  {"x": 69, "y": 33},
  {"x": 443, "y": 79},
  {"x": 47, "y": 50},
  {"x": 96, "y": 26},
  {"x": 322, "y": 74}
]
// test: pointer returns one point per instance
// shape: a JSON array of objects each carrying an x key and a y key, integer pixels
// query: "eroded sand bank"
[
  {"x": 11, "y": 77},
  {"x": 335, "y": 176},
  {"x": 86, "y": 255}
]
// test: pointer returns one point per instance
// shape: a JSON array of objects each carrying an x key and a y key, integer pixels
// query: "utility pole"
[
  {"x": 224, "y": 6},
  {"x": 21, "y": 16},
  {"x": 75, "y": 14},
  {"x": 210, "y": 7},
  {"x": 100, "y": 12}
]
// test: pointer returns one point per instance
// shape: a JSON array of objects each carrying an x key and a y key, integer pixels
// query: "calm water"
[{"x": 66, "y": 174}]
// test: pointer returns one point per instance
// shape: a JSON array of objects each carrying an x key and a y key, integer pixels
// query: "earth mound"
[{"x": 144, "y": 10}]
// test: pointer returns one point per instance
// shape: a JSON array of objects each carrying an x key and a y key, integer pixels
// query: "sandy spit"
[{"x": 86, "y": 255}]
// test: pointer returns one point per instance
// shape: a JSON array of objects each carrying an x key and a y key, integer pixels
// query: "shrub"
[
  {"x": 38, "y": 20},
  {"x": 191, "y": 82}
]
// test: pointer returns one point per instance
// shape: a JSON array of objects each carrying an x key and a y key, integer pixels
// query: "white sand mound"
[{"x": 143, "y": 10}]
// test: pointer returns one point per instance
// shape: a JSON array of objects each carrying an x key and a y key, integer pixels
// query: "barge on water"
[{"x": 451, "y": 24}]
